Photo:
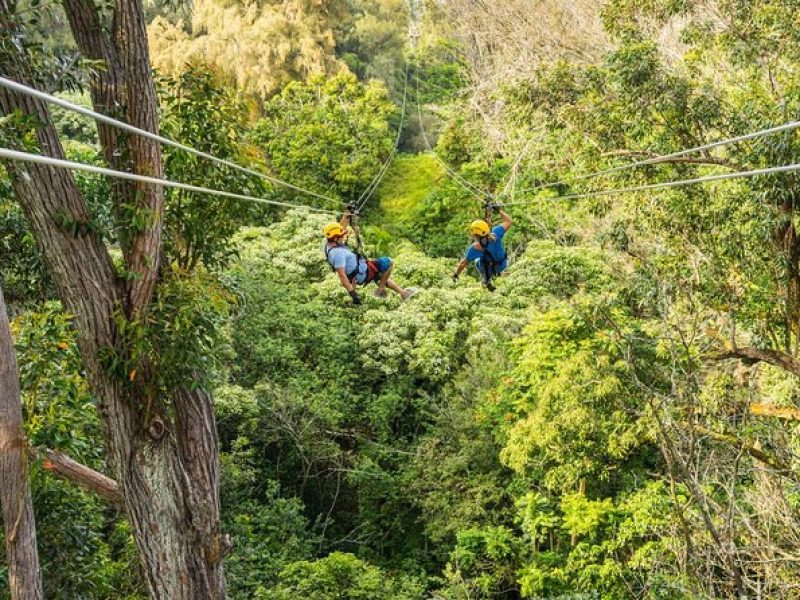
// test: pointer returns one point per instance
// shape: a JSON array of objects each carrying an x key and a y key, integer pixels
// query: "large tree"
[
  {"x": 15, "y": 493},
  {"x": 161, "y": 439}
]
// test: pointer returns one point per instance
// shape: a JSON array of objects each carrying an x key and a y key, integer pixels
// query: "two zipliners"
[
  {"x": 354, "y": 269},
  {"x": 486, "y": 250}
]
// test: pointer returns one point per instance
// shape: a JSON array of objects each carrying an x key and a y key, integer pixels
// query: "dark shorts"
[{"x": 376, "y": 268}]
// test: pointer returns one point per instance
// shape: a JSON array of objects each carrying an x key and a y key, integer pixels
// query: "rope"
[
  {"x": 5, "y": 153},
  {"x": 427, "y": 82},
  {"x": 668, "y": 157},
  {"x": 376, "y": 181},
  {"x": 511, "y": 176},
  {"x": 472, "y": 189},
  {"x": 671, "y": 184},
  {"x": 34, "y": 93}
]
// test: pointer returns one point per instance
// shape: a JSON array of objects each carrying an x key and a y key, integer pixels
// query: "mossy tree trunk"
[
  {"x": 163, "y": 450},
  {"x": 24, "y": 577}
]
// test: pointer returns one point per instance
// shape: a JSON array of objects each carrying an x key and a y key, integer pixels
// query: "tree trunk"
[
  {"x": 166, "y": 469},
  {"x": 15, "y": 494}
]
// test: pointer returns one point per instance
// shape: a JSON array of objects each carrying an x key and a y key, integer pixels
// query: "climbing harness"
[
  {"x": 351, "y": 275},
  {"x": 488, "y": 264},
  {"x": 372, "y": 267}
]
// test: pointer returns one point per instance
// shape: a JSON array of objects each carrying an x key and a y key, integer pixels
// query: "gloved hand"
[
  {"x": 356, "y": 298},
  {"x": 455, "y": 276},
  {"x": 497, "y": 206}
]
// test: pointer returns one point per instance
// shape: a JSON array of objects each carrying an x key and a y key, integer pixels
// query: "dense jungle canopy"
[{"x": 619, "y": 419}]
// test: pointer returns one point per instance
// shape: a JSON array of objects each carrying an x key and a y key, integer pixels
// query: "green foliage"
[
  {"x": 484, "y": 562},
  {"x": 340, "y": 576},
  {"x": 371, "y": 40},
  {"x": 440, "y": 221},
  {"x": 458, "y": 143},
  {"x": 275, "y": 43},
  {"x": 407, "y": 183},
  {"x": 95, "y": 189},
  {"x": 439, "y": 71},
  {"x": 270, "y": 532},
  {"x": 328, "y": 135},
  {"x": 436, "y": 210},
  {"x": 198, "y": 227},
  {"x": 71, "y": 125},
  {"x": 581, "y": 413},
  {"x": 25, "y": 280},
  {"x": 565, "y": 436},
  {"x": 24, "y": 277},
  {"x": 86, "y": 548},
  {"x": 40, "y": 30},
  {"x": 59, "y": 409},
  {"x": 180, "y": 340}
]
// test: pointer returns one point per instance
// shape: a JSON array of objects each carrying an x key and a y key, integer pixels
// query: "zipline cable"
[
  {"x": 367, "y": 194},
  {"x": 443, "y": 90},
  {"x": 34, "y": 93},
  {"x": 8, "y": 154},
  {"x": 472, "y": 189},
  {"x": 671, "y": 184},
  {"x": 791, "y": 125},
  {"x": 511, "y": 176}
]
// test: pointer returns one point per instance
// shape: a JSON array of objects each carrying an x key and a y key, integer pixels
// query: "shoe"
[
  {"x": 409, "y": 292},
  {"x": 380, "y": 293}
]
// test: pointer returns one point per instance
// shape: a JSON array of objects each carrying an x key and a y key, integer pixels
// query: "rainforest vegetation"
[{"x": 619, "y": 419}]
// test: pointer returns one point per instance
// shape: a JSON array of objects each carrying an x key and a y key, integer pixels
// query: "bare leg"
[
  {"x": 387, "y": 281},
  {"x": 384, "y": 280},
  {"x": 390, "y": 283}
]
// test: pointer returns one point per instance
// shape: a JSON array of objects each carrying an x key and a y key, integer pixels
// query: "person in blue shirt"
[
  {"x": 486, "y": 251},
  {"x": 354, "y": 269}
]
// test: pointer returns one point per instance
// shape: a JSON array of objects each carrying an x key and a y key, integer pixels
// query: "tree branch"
[
  {"x": 66, "y": 468},
  {"x": 765, "y": 410},
  {"x": 755, "y": 452},
  {"x": 751, "y": 356}
]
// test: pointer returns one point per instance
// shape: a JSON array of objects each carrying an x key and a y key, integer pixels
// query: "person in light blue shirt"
[
  {"x": 354, "y": 269},
  {"x": 486, "y": 251}
]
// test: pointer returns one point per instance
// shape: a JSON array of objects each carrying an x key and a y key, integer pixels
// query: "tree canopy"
[{"x": 617, "y": 420}]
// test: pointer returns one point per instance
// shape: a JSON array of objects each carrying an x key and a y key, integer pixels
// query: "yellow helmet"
[
  {"x": 332, "y": 230},
  {"x": 479, "y": 228}
]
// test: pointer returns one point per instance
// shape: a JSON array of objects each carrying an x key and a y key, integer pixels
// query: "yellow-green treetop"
[{"x": 257, "y": 46}]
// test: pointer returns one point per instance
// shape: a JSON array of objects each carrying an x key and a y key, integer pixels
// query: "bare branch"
[
  {"x": 752, "y": 450},
  {"x": 63, "y": 466},
  {"x": 751, "y": 356}
]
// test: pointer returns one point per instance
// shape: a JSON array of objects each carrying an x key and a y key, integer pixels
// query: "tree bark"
[
  {"x": 125, "y": 90},
  {"x": 753, "y": 450},
  {"x": 81, "y": 475},
  {"x": 166, "y": 468},
  {"x": 15, "y": 495},
  {"x": 751, "y": 356}
]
